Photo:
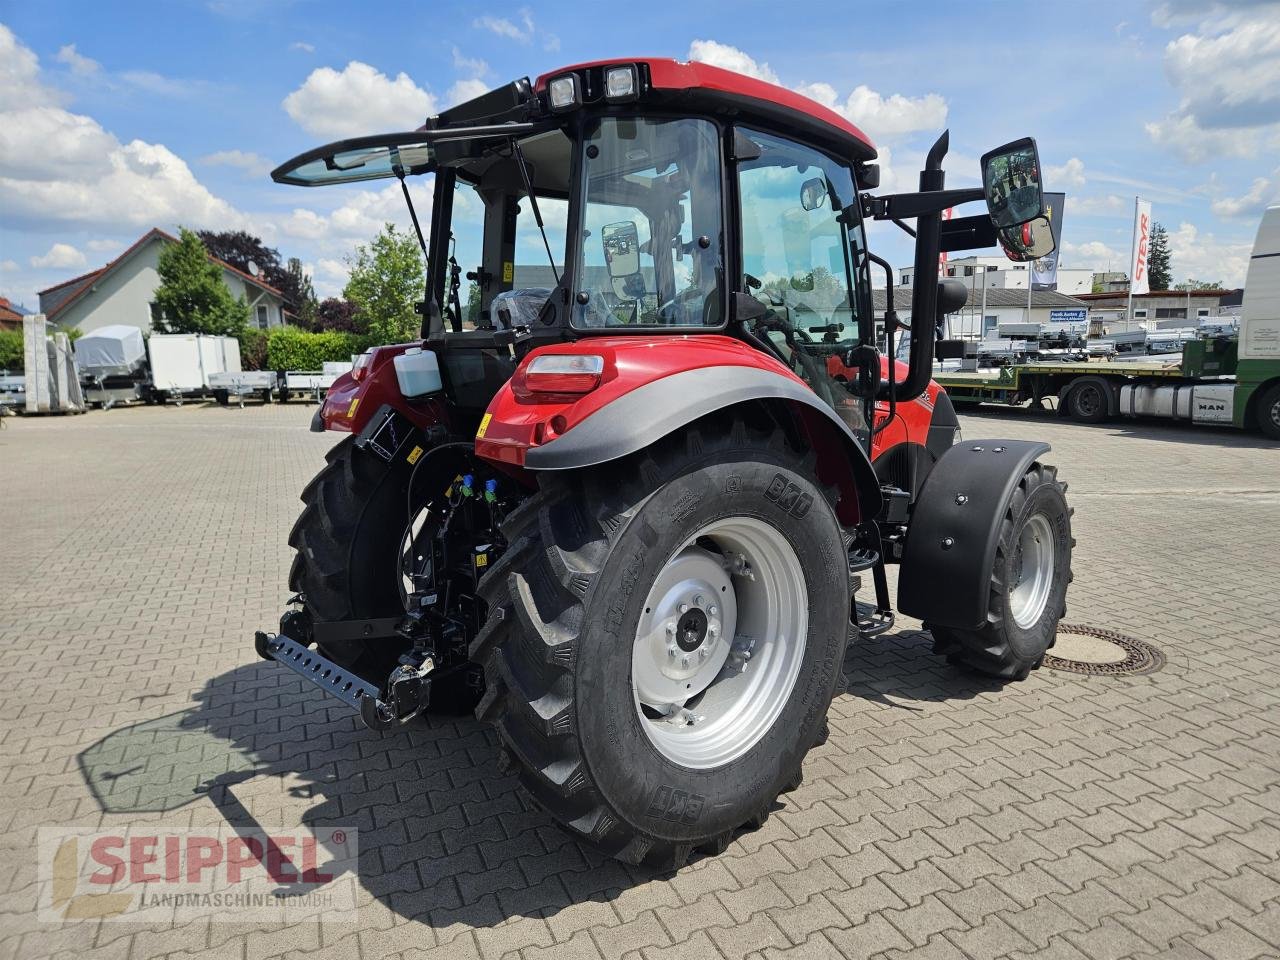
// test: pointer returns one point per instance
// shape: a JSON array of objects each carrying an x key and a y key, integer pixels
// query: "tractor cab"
[{"x": 650, "y": 198}]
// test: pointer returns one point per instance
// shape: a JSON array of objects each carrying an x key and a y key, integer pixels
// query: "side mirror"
[
  {"x": 1027, "y": 241},
  {"x": 1011, "y": 183},
  {"x": 621, "y": 242},
  {"x": 812, "y": 192}
]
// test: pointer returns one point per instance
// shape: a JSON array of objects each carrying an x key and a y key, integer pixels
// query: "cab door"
[{"x": 801, "y": 258}]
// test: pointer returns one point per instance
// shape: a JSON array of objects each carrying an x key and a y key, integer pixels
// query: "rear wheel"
[
  {"x": 1269, "y": 412},
  {"x": 1088, "y": 401},
  {"x": 665, "y": 637},
  {"x": 1028, "y": 584}
]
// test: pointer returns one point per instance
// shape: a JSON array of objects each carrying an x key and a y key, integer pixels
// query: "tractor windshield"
[{"x": 651, "y": 225}]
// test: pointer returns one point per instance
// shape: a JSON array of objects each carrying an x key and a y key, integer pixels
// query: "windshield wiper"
[{"x": 533, "y": 205}]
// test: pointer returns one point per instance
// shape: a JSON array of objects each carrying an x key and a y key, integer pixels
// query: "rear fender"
[
  {"x": 350, "y": 404},
  {"x": 641, "y": 417},
  {"x": 951, "y": 543}
]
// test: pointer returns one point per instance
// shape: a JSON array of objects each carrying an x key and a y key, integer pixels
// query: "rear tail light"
[
  {"x": 360, "y": 369},
  {"x": 564, "y": 373}
]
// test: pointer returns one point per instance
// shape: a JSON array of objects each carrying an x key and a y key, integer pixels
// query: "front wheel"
[
  {"x": 1028, "y": 584},
  {"x": 665, "y": 638}
]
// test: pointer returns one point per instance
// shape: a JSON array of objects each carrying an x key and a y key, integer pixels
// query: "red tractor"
[{"x": 618, "y": 497}]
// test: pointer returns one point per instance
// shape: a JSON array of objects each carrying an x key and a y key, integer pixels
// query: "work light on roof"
[
  {"x": 620, "y": 83},
  {"x": 563, "y": 93}
]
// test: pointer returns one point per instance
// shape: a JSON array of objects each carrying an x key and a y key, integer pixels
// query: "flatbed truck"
[{"x": 1220, "y": 380}]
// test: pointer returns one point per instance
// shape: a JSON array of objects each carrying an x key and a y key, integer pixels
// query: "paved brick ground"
[{"x": 1060, "y": 817}]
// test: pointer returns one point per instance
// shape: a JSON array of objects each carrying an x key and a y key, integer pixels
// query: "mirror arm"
[{"x": 905, "y": 206}]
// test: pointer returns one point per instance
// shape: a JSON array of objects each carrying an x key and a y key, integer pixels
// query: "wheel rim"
[
  {"x": 720, "y": 642},
  {"x": 1032, "y": 572},
  {"x": 1275, "y": 413},
  {"x": 1088, "y": 399}
]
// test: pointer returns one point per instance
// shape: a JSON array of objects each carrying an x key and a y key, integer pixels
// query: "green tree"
[
  {"x": 1193, "y": 284},
  {"x": 305, "y": 303},
  {"x": 1159, "y": 270},
  {"x": 387, "y": 279},
  {"x": 192, "y": 296}
]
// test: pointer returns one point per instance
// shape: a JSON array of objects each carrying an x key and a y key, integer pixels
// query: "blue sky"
[{"x": 118, "y": 117}]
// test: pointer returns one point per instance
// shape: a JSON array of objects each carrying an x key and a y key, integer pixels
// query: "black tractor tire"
[
  {"x": 1002, "y": 647},
  {"x": 1089, "y": 400},
  {"x": 1268, "y": 411},
  {"x": 564, "y": 603},
  {"x": 347, "y": 564}
]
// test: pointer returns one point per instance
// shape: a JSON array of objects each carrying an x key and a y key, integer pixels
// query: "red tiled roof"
[{"x": 87, "y": 280}]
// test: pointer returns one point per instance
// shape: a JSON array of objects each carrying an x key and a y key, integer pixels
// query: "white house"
[{"x": 123, "y": 291}]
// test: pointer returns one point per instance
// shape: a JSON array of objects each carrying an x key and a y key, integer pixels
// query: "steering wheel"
[{"x": 674, "y": 310}]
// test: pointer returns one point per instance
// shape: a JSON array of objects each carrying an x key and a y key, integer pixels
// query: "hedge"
[
  {"x": 11, "y": 350},
  {"x": 289, "y": 348},
  {"x": 253, "y": 349}
]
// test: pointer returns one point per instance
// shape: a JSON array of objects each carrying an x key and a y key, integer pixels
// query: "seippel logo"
[{"x": 146, "y": 875}]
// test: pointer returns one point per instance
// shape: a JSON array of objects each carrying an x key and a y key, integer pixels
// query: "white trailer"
[{"x": 181, "y": 363}]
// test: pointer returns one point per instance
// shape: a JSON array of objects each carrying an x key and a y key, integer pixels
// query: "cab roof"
[{"x": 714, "y": 87}]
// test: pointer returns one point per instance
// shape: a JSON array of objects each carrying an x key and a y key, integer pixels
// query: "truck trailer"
[{"x": 1215, "y": 380}]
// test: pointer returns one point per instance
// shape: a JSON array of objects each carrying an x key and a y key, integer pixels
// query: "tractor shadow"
[
  {"x": 900, "y": 670},
  {"x": 444, "y": 836}
]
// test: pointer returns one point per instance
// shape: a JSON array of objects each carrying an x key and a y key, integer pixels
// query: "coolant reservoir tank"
[{"x": 417, "y": 372}]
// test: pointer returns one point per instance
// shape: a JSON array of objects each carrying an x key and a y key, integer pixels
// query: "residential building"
[
  {"x": 10, "y": 315},
  {"x": 123, "y": 291}
]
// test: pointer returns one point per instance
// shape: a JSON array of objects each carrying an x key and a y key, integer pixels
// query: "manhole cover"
[{"x": 1096, "y": 652}]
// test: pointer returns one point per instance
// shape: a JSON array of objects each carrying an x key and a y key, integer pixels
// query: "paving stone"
[{"x": 1060, "y": 817}]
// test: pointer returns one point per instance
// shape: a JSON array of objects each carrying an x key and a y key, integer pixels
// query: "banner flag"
[
  {"x": 1044, "y": 272},
  {"x": 1139, "y": 283}
]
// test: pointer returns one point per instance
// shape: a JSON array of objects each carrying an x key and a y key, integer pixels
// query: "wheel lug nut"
[
  {"x": 713, "y": 610},
  {"x": 684, "y": 661},
  {"x": 684, "y": 608},
  {"x": 697, "y": 601},
  {"x": 702, "y": 653},
  {"x": 671, "y": 628}
]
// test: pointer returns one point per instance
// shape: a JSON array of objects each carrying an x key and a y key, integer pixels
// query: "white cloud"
[
  {"x": 882, "y": 117},
  {"x": 9, "y": 266},
  {"x": 357, "y": 100},
  {"x": 1093, "y": 255},
  {"x": 105, "y": 245},
  {"x": 96, "y": 181},
  {"x": 1204, "y": 257},
  {"x": 472, "y": 65},
  {"x": 502, "y": 27},
  {"x": 731, "y": 58},
  {"x": 523, "y": 32},
  {"x": 79, "y": 64},
  {"x": 60, "y": 255},
  {"x": 465, "y": 90},
  {"x": 1070, "y": 174},
  {"x": 252, "y": 164},
  {"x": 1260, "y": 196},
  {"x": 302, "y": 46},
  {"x": 1228, "y": 73},
  {"x": 20, "y": 84}
]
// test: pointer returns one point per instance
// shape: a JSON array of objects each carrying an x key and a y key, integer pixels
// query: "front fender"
[
  {"x": 637, "y": 419},
  {"x": 951, "y": 543}
]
